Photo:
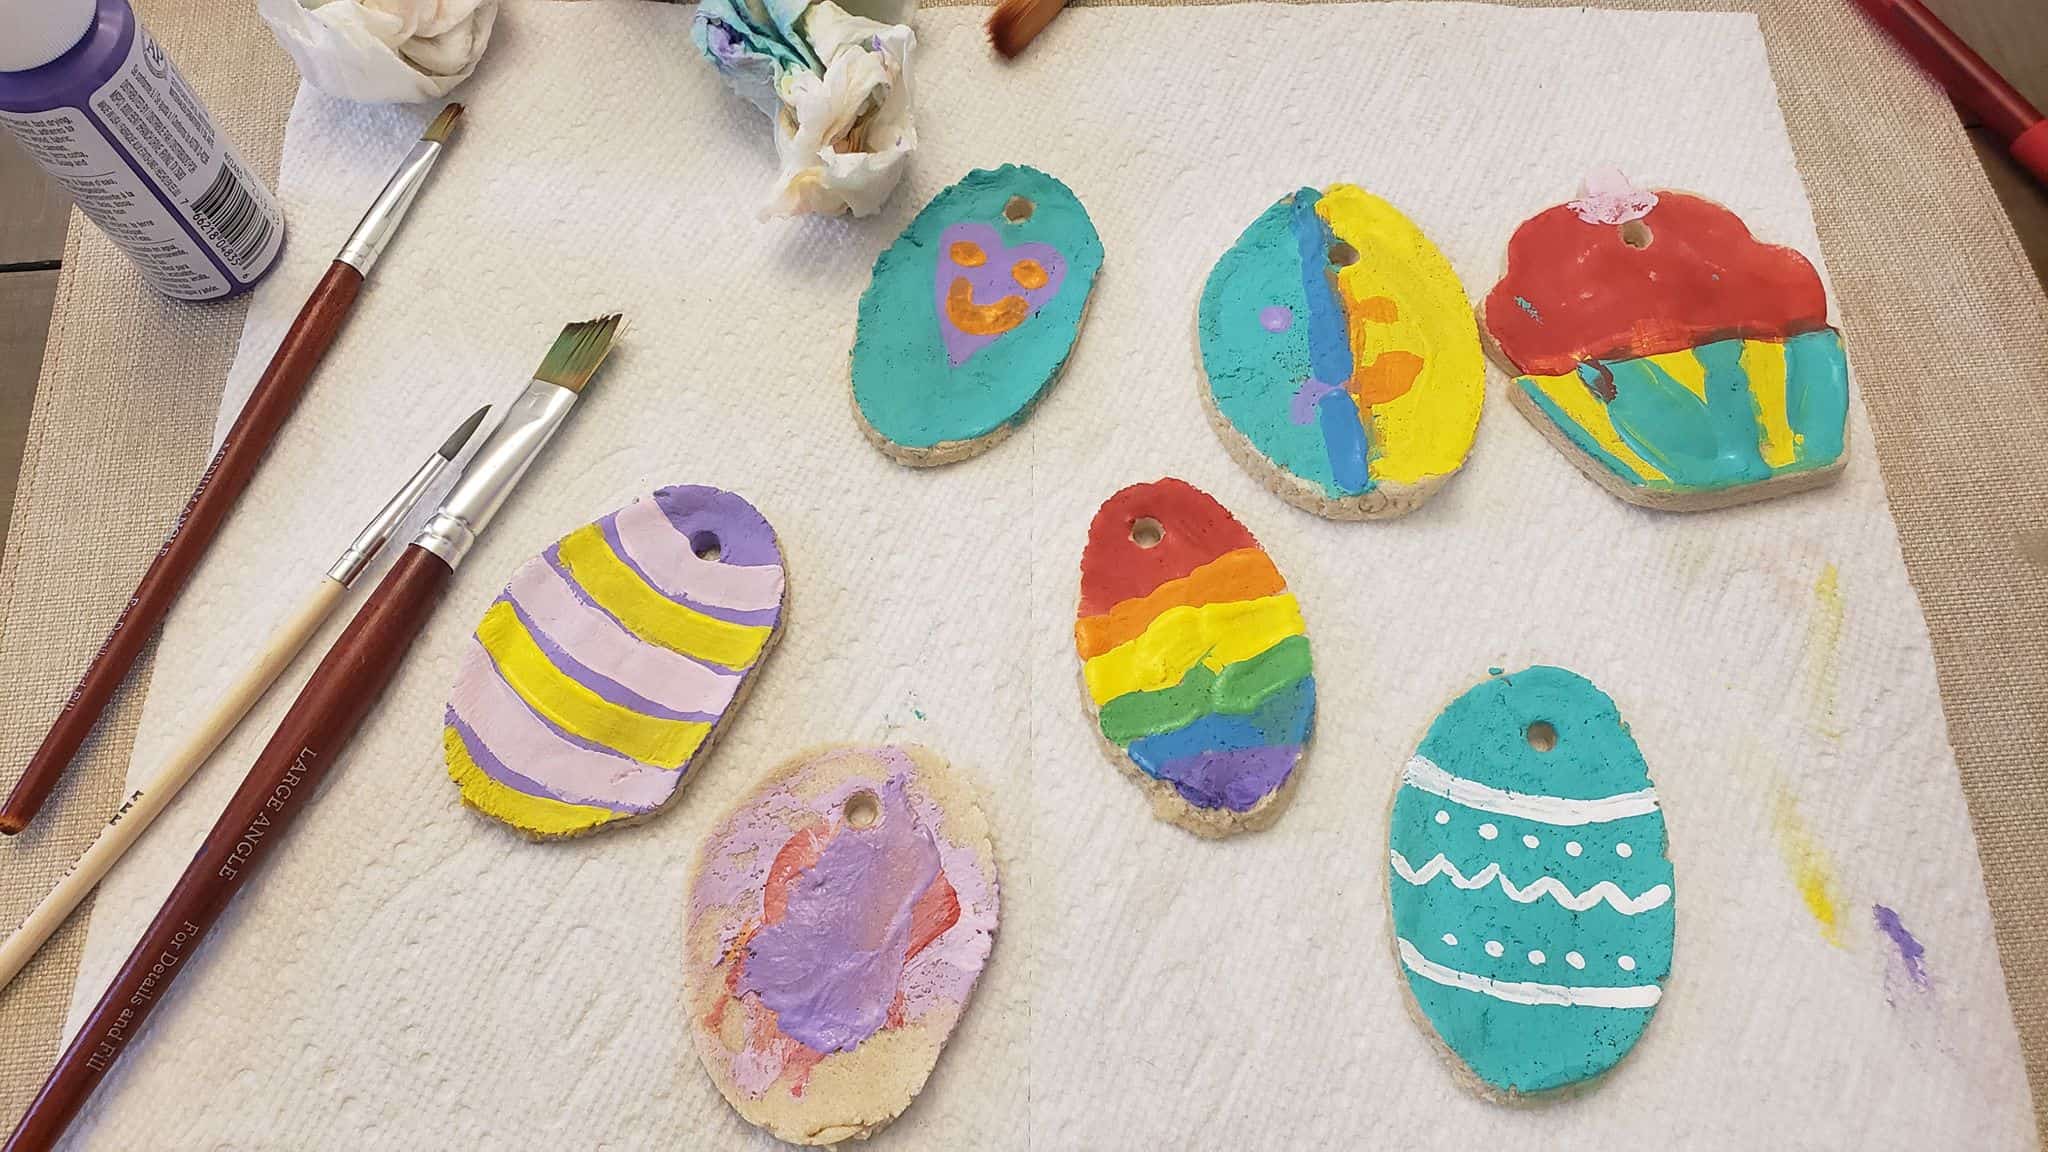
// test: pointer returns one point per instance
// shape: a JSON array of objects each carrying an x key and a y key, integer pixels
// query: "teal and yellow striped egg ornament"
[{"x": 1529, "y": 882}]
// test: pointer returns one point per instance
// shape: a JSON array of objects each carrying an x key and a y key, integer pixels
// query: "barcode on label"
[{"x": 238, "y": 222}]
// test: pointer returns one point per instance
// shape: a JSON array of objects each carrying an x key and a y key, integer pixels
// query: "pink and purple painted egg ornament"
[{"x": 839, "y": 919}]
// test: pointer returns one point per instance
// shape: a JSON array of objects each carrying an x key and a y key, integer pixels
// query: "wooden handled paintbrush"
[
  {"x": 313, "y": 733},
  {"x": 145, "y": 803},
  {"x": 275, "y": 395},
  {"x": 1016, "y": 23}
]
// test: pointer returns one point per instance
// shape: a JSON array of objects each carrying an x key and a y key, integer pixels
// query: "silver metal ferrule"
[
  {"x": 378, "y": 532},
  {"x": 381, "y": 222},
  {"x": 495, "y": 469}
]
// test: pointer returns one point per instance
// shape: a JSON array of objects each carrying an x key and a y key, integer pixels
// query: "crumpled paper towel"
[
  {"x": 407, "y": 974},
  {"x": 836, "y": 83},
  {"x": 382, "y": 51}
]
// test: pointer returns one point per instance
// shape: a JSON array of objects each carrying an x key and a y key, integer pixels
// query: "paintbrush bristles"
[
  {"x": 438, "y": 131},
  {"x": 1016, "y": 23},
  {"x": 577, "y": 352}
]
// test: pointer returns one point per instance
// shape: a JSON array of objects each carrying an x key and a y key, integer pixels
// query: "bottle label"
[{"x": 219, "y": 216}]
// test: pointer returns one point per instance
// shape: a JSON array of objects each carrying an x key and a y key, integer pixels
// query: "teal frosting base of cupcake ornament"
[
  {"x": 920, "y": 379},
  {"x": 1531, "y": 893},
  {"x": 1769, "y": 408}
]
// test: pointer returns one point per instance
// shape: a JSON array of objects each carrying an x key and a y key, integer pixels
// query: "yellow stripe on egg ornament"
[{"x": 1427, "y": 430}]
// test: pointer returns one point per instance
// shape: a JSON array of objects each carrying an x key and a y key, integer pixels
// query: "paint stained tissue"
[{"x": 835, "y": 82}]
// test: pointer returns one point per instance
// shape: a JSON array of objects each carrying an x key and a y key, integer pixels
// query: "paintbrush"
[
  {"x": 1016, "y": 23},
  {"x": 320, "y": 722},
  {"x": 144, "y": 804},
  {"x": 275, "y": 395},
  {"x": 1970, "y": 81}
]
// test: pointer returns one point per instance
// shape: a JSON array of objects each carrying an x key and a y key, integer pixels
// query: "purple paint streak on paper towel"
[
  {"x": 829, "y": 968},
  {"x": 1910, "y": 950}
]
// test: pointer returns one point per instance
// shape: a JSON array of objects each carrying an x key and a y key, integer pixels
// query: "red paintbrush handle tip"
[
  {"x": 2030, "y": 148},
  {"x": 1970, "y": 81}
]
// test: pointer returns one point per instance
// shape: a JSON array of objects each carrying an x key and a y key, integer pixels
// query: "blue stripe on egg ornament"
[{"x": 1529, "y": 883}]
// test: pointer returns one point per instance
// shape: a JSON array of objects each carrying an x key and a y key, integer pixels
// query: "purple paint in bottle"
[{"x": 94, "y": 100}]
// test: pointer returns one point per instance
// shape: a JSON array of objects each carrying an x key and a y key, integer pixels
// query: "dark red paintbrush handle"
[
  {"x": 272, "y": 401},
  {"x": 276, "y": 790},
  {"x": 1972, "y": 83}
]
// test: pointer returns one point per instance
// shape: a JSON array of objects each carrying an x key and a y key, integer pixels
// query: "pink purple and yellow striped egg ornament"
[{"x": 602, "y": 674}]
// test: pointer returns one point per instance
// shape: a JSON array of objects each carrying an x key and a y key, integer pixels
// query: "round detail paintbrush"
[
  {"x": 269, "y": 404},
  {"x": 1016, "y": 23},
  {"x": 314, "y": 731},
  {"x": 144, "y": 804}
]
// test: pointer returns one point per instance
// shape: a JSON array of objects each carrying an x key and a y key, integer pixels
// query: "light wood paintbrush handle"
[{"x": 144, "y": 804}]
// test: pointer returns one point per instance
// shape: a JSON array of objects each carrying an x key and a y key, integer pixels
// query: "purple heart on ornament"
[{"x": 984, "y": 288}]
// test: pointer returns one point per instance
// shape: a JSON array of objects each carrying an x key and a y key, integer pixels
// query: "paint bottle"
[{"x": 93, "y": 99}]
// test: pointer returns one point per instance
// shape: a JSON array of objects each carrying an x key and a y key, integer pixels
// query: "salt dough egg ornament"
[
  {"x": 1676, "y": 359},
  {"x": 1341, "y": 362},
  {"x": 971, "y": 314},
  {"x": 603, "y": 673},
  {"x": 1529, "y": 887},
  {"x": 1194, "y": 658},
  {"x": 839, "y": 917}
]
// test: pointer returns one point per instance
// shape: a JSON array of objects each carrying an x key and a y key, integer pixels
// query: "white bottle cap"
[{"x": 39, "y": 31}]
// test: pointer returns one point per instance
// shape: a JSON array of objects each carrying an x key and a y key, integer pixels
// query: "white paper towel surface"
[{"x": 408, "y": 974}]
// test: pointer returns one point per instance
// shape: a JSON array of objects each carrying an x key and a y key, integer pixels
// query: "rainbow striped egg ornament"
[{"x": 1194, "y": 656}]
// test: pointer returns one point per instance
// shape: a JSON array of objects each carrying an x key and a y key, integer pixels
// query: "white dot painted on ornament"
[
  {"x": 1493, "y": 948},
  {"x": 1537, "y": 957},
  {"x": 1624, "y": 851},
  {"x": 1627, "y": 963},
  {"x": 1572, "y": 848},
  {"x": 1443, "y": 817},
  {"x": 1575, "y": 960},
  {"x": 1488, "y": 831},
  {"x": 1450, "y": 940},
  {"x": 1530, "y": 841}
]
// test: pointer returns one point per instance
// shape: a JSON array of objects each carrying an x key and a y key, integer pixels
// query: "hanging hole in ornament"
[
  {"x": 863, "y": 809},
  {"x": 1147, "y": 532},
  {"x": 1636, "y": 234},
  {"x": 1542, "y": 735},
  {"x": 705, "y": 545},
  {"x": 1019, "y": 209}
]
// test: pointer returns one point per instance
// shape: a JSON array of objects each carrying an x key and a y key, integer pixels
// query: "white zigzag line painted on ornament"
[
  {"x": 1543, "y": 886},
  {"x": 1423, "y": 773},
  {"x": 1529, "y": 992}
]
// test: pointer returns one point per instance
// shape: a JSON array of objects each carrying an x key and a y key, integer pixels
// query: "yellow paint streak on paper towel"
[
  {"x": 1824, "y": 650},
  {"x": 1808, "y": 865}
]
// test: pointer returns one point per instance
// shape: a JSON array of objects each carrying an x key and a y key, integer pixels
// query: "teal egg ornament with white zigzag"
[{"x": 1529, "y": 881}]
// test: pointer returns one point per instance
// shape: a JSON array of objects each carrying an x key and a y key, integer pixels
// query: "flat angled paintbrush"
[
  {"x": 272, "y": 400},
  {"x": 143, "y": 804},
  {"x": 312, "y": 734},
  {"x": 1016, "y": 23}
]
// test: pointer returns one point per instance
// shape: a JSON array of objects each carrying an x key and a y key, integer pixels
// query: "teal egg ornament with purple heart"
[
  {"x": 1529, "y": 882},
  {"x": 971, "y": 314}
]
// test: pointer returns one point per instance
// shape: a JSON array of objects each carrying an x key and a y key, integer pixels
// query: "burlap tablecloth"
[{"x": 1948, "y": 330}]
